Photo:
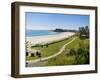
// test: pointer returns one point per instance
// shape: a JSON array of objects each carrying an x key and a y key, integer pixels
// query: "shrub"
[
  {"x": 82, "y": 56},
  {"x": 72, "y": 51}
]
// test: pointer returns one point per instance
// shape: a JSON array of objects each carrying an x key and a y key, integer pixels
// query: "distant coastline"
[{"x": 64, "y": 30}]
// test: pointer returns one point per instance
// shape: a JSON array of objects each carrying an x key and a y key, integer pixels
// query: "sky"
[{"x": 51, "y": 21}]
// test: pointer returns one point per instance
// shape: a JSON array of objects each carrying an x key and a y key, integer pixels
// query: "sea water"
[{"x": 30, "y": 33}]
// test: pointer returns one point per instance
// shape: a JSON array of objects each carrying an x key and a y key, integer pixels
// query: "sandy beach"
[{"x": 48, "y": 39}]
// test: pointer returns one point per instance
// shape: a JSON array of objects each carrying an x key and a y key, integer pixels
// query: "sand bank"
[{"x": 48, "y": 39}]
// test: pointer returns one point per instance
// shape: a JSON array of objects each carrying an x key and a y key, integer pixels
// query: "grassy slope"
[
  {"x": 64, "y": 59},
  {"x": 52, "y": 49}
]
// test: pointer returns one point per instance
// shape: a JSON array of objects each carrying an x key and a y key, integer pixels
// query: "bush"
[
  {"x": 82, "y": 56},
  {"x": 72, "y": 51},
  {"x": 79, "y": 51}
]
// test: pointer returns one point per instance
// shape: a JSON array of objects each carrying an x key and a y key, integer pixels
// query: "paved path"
[{"x": 52, "y": 56}]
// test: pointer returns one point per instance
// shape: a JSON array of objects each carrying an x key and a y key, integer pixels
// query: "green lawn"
[{"x": 51, "y": 49}]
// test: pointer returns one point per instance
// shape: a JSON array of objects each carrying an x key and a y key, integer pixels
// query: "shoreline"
[{"x": 48, "y": 38}]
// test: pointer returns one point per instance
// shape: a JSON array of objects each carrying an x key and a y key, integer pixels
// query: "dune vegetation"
[{"x": 77, "y": 52}]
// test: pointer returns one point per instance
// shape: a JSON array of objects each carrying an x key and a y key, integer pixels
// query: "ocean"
[{"x": 30, "y": 33}]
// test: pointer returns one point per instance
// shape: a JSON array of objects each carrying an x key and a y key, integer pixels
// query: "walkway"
[{"x": 52, "y": 56}]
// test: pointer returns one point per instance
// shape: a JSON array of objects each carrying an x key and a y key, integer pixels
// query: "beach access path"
[{"x": 52, "y": 56}]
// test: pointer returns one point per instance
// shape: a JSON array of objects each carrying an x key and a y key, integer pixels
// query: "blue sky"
[{"x": 46, "y": 21}]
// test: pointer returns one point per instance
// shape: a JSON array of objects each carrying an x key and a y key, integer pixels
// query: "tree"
[
  {"x": 84, "y": 31},
  {"x": 87, "y": 31}
]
